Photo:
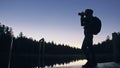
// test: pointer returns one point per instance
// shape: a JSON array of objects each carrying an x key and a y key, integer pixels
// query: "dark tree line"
[
  {"x": 5, "y": 38},
  {"x": 24, "y": 48},
  {"x": 106, "y": 47},
  {"x": 24, "y": 45},
  {"x": 5, "y": 41}
]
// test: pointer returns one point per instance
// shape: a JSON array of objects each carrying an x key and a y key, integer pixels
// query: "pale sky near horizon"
[{"x": 58, "y": 20}]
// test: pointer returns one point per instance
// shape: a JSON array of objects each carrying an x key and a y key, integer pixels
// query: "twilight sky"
[{"x": 58, "y": 20}]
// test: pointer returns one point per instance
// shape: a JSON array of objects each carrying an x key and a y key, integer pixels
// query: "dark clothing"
[
  {"x": 87, "y": 46},
  {"x": 88, "y": 24}
]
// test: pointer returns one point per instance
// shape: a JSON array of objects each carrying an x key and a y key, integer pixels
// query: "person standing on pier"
[{"x": 92, "y": 26}]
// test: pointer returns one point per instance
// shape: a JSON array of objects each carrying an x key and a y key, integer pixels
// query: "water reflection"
[
  {"x": 73, "y": 63},
  {"x": 70, "y": 64},
  {"x": 48, "y": 61}
]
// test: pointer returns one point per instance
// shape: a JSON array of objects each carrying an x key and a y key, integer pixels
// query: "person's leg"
[
  {"x": 92, "y": 57},
  {"x": 85, "y": 49},
  {"x": 89, "y": 46}
]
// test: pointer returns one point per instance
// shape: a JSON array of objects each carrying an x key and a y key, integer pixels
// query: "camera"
[{"x": 81, "y": 14}]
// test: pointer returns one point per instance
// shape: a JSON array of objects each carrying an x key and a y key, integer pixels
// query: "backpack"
[{"x": 96, "y": 25}]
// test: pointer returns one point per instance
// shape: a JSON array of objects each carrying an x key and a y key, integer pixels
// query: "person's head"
[{"x": 88, "y": 12}]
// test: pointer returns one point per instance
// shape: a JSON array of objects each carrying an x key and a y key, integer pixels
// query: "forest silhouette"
[{"x": 26, "y": 50}]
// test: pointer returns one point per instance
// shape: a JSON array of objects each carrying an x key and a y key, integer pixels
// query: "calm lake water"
[
  {"x": 51, "y": 61},
  {"x": 64, "y": 65}
]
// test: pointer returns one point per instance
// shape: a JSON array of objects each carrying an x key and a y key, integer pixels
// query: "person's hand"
[{"x": 81, "y": 14}]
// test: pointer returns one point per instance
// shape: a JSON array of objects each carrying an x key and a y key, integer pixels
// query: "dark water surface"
[{"x": 46, "y": 61}]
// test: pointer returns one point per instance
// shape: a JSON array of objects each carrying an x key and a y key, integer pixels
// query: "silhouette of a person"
[{"x": 87, "y": 46}]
